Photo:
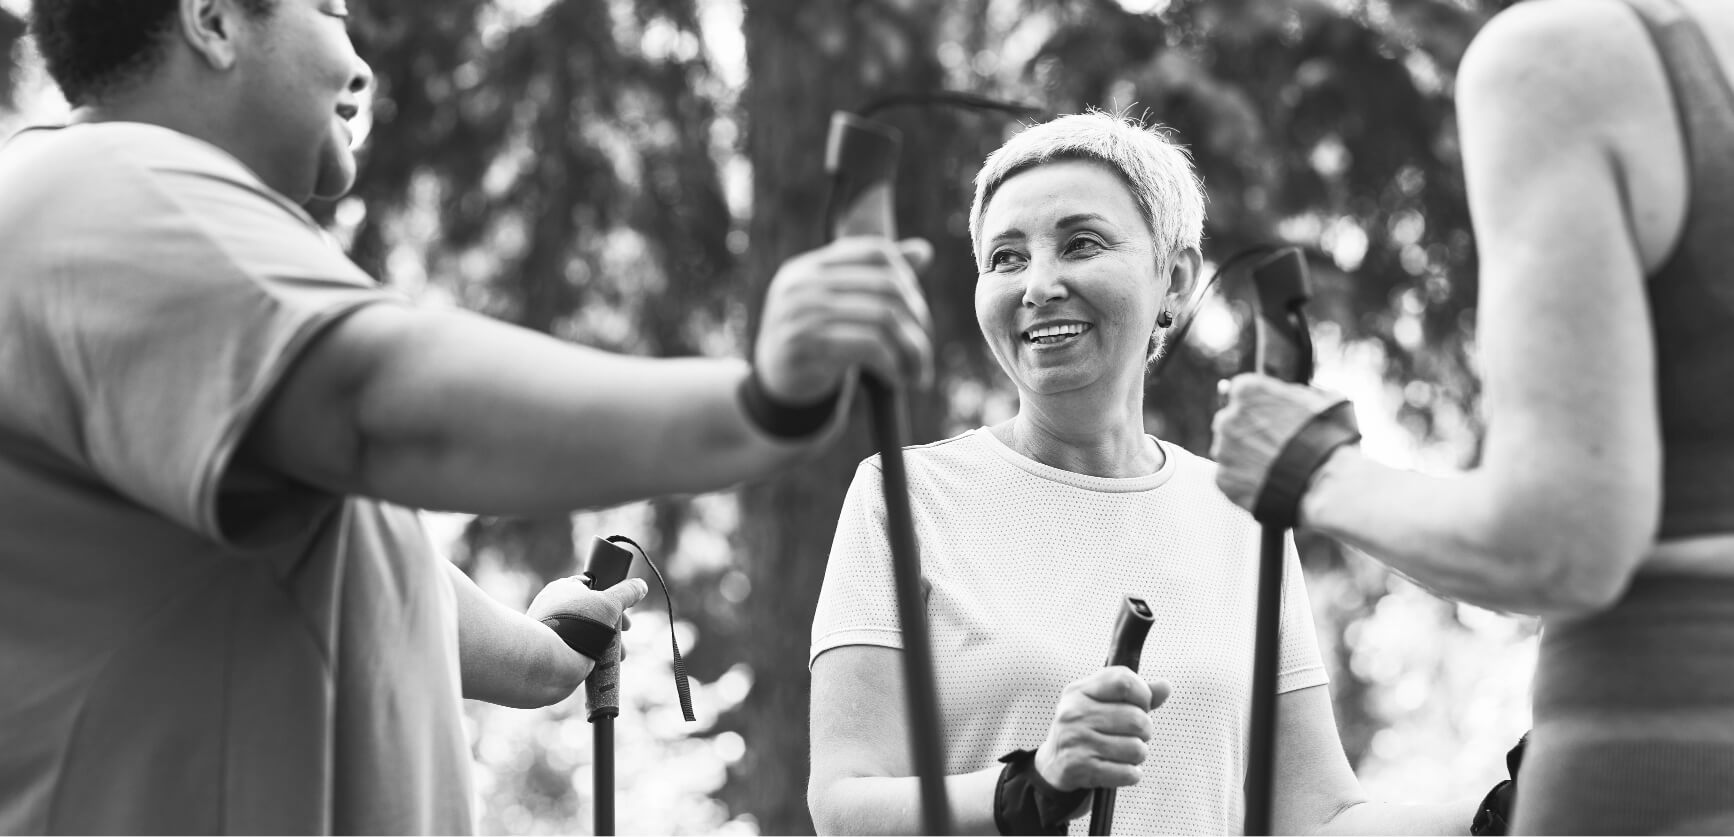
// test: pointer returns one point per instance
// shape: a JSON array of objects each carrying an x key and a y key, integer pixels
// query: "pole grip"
[
  {"x": 1125, "y": 648},
  {"x": 607, "y": 566},
  {"x": 1284, "y": 349}
]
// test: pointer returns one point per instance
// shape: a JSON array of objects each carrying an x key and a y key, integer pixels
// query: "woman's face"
[{"x": 1072, "y": 282}]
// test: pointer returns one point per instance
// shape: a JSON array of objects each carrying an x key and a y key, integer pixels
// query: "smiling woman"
[{"x": 1034, "y": 530}]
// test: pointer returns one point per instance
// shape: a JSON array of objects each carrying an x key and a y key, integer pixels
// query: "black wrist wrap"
[
  {"x": 1024, "y": 802},
  {"x": 587, "y": 636},
  {"x": 782, "y": 420},
  {"x": 1278, "y": 501}
]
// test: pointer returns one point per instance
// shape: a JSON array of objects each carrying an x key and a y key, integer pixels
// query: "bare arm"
[
  {"x": 1564, "y": 505},
  {"x": 449, "y": 410},
  {"x": 511, "y": 658},
  {"x": 1317, "y": 793},
  {"x": 862, "y": 780}
]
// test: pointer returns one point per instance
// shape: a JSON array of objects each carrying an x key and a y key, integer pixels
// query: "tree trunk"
[{"x": 807, "y": 59}]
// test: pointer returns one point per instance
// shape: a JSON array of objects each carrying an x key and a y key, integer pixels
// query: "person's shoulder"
[
  {"x": 1561, "y": 45},
  {"x": 1194, "y": 481},
  {"x": 965, "y": 446}
]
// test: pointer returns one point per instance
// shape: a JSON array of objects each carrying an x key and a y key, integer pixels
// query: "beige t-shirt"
[
  {"x": 1029, "y": 565},
  {"x": 185, "y": 646}
]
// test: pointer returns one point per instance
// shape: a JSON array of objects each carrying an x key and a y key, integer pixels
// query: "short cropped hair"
[
  {"x": 1158, "y": 172},
  {"x": 94, "y": 47}
]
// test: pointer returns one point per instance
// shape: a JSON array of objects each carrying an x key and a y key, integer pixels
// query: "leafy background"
[{"x": 629, "y": 173}]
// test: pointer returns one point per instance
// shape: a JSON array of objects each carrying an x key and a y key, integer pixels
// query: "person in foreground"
[
  {"x": 1032, "y": 531},
  {"x": 218, "y": 610},
  {"x": 1597, "y": 138}
]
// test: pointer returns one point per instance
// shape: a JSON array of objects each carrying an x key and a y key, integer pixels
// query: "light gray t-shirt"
[
  {"x": 187, "y": 645},
  {"x": 1028, "y": 566}
]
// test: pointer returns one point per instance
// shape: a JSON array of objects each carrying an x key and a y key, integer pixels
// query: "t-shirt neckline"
[{"x": 1087, "y": 482}]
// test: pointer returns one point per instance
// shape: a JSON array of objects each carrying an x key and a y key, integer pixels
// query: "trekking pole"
[
  {"x": 1285, "y": 351},
  {"x": 1125, "y": 649},
  {"x": 607, "y": 566},
  {"x": 861, "y": 158}
]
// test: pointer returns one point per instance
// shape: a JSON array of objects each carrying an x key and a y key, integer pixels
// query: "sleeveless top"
[{"x": 1692, "y": 295}]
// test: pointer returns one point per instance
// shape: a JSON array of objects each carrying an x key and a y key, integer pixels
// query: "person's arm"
[
  {"x": 1317, "y": 792},
  {"x": 511, "y": 658},
  {"x": 862, "y": 781},
  {"x": 443, "y": 409},
  {"x": 1565, "y": 502}
]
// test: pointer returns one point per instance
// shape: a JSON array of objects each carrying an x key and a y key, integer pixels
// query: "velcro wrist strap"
[
  {"x": 1278, "y": 501},
  {"x": 590, "y": 637},
  {"x": 782, "y": 420},
  {"x": 1024, "y": 802}
]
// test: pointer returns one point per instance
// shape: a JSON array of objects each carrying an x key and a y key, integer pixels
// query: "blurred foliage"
[
  {"x": 630, "y": 173},
  {"x": 11, "y": 32}
]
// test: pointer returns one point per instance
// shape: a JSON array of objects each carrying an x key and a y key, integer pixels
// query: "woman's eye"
[
  {"x": 1083, "y": 242},
  {"x": 1002, "y": 259}
]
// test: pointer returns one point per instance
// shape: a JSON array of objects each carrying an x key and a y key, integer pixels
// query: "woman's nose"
[{"x": 1043, "y": 283}]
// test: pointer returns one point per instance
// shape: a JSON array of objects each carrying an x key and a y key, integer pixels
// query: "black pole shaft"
[
  {"x": 603, "y": 790},
  {"x": 918, "y": 678},
  {"x": 1261, "y": 750},
  {"x": 1102, "y": 812}
]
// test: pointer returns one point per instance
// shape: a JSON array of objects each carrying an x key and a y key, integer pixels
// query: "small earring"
[{"x": 1165, "y": 318}]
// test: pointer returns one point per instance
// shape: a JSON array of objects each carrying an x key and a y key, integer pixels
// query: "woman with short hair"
[{"x": 1033, "y": 531}]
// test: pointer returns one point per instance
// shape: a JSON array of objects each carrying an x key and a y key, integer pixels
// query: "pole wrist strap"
[
  {"x": 1024, "y": 802},
  {"x": 1278, "y": 502},
  {"x": 779, "y": 418}
]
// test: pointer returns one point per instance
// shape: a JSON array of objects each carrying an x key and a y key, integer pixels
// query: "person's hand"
[
  {"x": 854, "y": 302},
  {"x": 1100, "y": 729},
  {"x": 571, "y": 598},
  {"x": 1259, "y": 416}
]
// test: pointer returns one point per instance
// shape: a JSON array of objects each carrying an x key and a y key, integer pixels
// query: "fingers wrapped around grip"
[
  {"x": 1101, "y": 729},
  {"x": 853, "y": 303}
]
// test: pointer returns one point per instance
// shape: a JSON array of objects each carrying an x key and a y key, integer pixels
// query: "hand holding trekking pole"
[{"x": 1101, "y": 729}]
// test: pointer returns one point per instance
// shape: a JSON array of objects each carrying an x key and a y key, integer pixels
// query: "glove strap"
[
  {"x": 1278, "y": 501},
  {"x": 781, "y": 419},
  {"x": 1024, "y": 802}
]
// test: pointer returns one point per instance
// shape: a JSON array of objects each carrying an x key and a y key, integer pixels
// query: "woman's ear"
[{"x": 1183, "y": 268}]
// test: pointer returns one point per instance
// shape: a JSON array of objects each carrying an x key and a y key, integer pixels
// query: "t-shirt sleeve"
[
  {"x": 858, "y": 601},
  {"x": 1299, "y": 665},
  {"x": 190, "y": 295}
]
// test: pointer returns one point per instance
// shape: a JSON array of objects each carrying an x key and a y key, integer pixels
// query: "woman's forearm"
[
  {"x": 892, "y": 805},
  {"x": 1496, "y": 542},
  {"x": 508, "y": 658},
  {"x": 1452, "y": 817}
]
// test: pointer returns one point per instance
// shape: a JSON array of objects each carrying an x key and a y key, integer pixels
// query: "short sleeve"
[
  {"x": 1299, "y": 665},
  {"x": 858, "y": 601},
  {"x": 171, "y": 302}
]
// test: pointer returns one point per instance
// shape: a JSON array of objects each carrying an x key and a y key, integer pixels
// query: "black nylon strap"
[
  {"x": 1279, "y": 500},
  {"x": 780, "y": 419},
  {"x": 1024, "y": 802},
  {"x": 582, "y": 634}
]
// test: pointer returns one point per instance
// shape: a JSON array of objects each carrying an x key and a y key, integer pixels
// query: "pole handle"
[
  {"x": 1126, "y": 648},
  {"x": 607, "y": 566},
  {"x": 1284, "y": 349}
]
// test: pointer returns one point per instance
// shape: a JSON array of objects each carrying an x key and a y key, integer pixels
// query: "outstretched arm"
[
  {"x": 1565, "y": 502},
  {"x": 443, "y": 409}
]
